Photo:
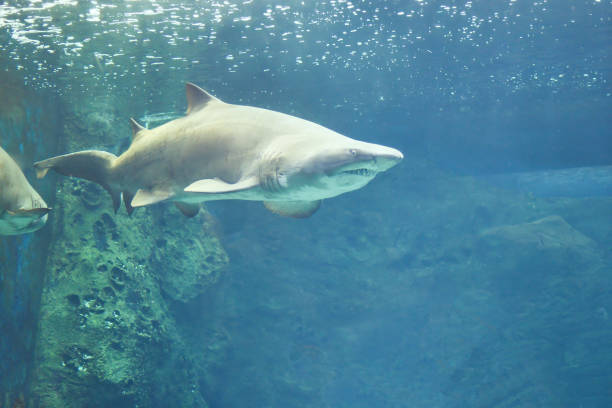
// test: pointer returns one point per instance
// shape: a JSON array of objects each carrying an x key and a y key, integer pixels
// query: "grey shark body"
[
  {"x": 221, "y": 151},
  {"x": 22, "y": 209}
]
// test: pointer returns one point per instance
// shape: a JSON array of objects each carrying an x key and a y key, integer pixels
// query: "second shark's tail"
[{"x": 93, "y": 165}]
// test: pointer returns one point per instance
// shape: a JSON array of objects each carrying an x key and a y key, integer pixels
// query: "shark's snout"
[
  {"x": 396, "y": 154},
  {"x": 387, "y": 157}
]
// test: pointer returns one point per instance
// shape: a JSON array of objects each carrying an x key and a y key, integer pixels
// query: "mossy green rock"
[
  {"x": 107, "y": 336},
  {"x": 549, "y": 243}
]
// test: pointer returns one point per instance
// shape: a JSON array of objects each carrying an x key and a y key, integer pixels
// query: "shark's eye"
[{"x": 353, "y": 152}]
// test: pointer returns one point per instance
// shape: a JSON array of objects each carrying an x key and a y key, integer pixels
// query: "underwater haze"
[{"x": 475, "y": 273}]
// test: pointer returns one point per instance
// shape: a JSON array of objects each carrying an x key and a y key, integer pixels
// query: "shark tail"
[{"x": 92, "y": 165}]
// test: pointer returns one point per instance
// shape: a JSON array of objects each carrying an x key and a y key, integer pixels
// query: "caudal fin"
[{"x": 93, "y": 165}]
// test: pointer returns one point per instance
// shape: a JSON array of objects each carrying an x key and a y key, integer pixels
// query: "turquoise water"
[{"x": 476, "y": 273}]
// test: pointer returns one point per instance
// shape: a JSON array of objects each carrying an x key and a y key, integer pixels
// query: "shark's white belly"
[
  {"x": 15, "y": 225},
  {"x": 298, "y": 193}
]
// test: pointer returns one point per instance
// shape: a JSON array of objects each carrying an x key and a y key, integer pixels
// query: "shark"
[
  {"x": 221, "y": 151},
  {"x": 22, "y": 209}
]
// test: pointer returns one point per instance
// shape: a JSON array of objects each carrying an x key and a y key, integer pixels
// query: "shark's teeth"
[{"x": 361, "y": 172}]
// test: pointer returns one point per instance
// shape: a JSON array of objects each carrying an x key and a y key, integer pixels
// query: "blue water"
[{"x": 437, "y": 285}]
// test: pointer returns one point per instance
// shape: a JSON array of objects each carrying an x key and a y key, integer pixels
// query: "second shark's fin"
[
  {"x": 148, "y": 197},
  {"x": 34, "y": 212},
  {"x": 218, "y": 186},
  {"x": 295, "y": 209}
]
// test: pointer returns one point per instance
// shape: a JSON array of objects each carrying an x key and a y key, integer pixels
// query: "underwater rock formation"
[
  {"x": 456, "y": 303},
  {"x": 550, "y": 241},
  {"x": 107, "y": 336}
]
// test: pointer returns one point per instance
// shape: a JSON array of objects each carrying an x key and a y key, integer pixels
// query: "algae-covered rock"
[
  {"x": 185, "y": 255},
  {"x": 547, "y": 242},
  {"x": 106, "y": 334},
  {"x": 548, "y": 232}
]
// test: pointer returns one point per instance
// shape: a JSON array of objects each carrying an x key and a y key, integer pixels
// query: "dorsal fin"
[
  {"x": 137, "y": 129},
  {"x": 197, "y": 98}
]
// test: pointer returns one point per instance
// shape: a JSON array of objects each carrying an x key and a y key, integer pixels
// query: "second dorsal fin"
[
  {"x": 197, "y": 98},
  {"x": 137, "y": 129}
]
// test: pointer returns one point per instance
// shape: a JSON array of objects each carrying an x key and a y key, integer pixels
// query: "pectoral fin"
[
  {"x": 188, "y": 210},
  {"x": 295, "y": 209},
  {"x": 31, "y": 213},
  {"x": 127, "y": 201},
  {"x": 218, "y": 186},
  {"x": 148, "y": 197}
]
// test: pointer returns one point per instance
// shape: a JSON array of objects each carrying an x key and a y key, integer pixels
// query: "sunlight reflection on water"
[{"x": 56, "y": 39}]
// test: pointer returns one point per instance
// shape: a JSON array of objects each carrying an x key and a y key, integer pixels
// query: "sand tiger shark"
[
  {"x": 22, "y": 209},
  {"x": 221, "y": 151}
]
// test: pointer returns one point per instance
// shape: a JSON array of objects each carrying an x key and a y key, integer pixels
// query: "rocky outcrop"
[
  {"x": 107, "y": 335},
  {"x": 549, "y": 242},
  {"x": 438, "y": 292}
]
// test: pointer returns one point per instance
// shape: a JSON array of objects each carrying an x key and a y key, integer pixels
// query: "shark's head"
[{"x": 314, "y": 171}]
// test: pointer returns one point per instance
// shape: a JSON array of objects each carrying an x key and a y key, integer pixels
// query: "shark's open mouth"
[{"x": 360, "y": 172}]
